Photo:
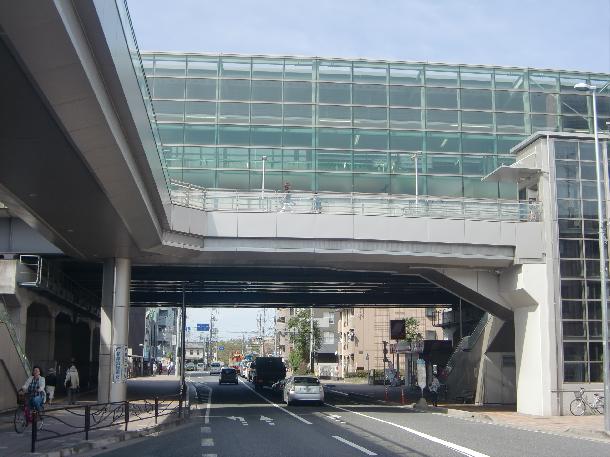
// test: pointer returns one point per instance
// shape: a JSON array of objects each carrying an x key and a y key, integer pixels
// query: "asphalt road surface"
[{"x": 237, "y": 421}]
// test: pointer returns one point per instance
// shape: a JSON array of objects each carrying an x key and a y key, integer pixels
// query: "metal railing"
[
  {"x": 467, "y": 343},
  {"x": 6, "y": 321},
  {"x": 38, "y": 273},
  {"x": 188, "y": 195},
  {"x": 71, "y": 420}
]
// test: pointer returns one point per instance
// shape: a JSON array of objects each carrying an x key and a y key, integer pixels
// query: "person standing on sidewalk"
[
  {"x": 72, "y": 383},
  {"x": 51, "y": 382},
  {"x": 433, "y": 388}
]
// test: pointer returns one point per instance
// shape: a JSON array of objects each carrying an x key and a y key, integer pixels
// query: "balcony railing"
[{"x": 191, "y": 196}]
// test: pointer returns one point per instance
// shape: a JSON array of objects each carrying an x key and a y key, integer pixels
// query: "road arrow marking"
[
  {"x": 240, "y": 419},
  {"x": 268, "y": 420}
]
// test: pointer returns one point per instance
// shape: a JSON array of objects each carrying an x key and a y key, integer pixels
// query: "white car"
[
  {"x": 200, "y": 366},
  {"x": 215, "y": 367},
  {"x": 303, "y": 388}
]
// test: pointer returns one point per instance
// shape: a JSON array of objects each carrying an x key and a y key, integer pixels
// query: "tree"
[
  {"x": 411, "y": 329},
  {"x": 299, "y": 327}
]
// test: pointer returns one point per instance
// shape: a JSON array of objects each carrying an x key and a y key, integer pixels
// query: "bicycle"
[
  {"x": 24, "y": 416},
  {"x": 579, "y": 405}
]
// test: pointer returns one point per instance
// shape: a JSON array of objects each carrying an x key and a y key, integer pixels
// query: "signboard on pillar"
[
  {"x": 119, "y": 359},
  {"x": 421, "y": 373}
]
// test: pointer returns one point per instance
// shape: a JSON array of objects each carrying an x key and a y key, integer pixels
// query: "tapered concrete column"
[{"x": 114, "y": 331}]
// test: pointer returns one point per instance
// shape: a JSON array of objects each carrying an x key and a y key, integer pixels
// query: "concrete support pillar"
[
  {"x": 114, "y": 330},
  {"x": 51, "y": 342}
]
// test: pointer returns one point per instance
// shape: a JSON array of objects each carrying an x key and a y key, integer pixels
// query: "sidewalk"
[
  {"x": 581, "y": 426},
  {"x": 65, "y": 421}
]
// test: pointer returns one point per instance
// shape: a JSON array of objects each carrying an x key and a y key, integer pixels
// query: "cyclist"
[{"x": 34, "y": 388}]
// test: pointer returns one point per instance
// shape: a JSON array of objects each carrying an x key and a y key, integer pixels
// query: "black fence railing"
[{"x": 55, "y": 423}]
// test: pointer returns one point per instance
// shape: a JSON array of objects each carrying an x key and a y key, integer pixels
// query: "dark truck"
[{"x": 267, "y": 371}]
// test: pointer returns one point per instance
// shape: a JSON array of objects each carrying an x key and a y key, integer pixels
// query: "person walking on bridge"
[{"x": 72, "y": 383}]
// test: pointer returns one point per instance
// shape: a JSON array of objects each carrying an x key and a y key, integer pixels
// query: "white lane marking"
[
  {"x": 206, "y": 430},
  {"x": 240, "y": 419},
  {"x": 338, "y": 392},
  {"x": 354, "y": 445},
  {"x": 456, "y": 447},
  {"x": 209, "y": 455},
  {"x": 336, "y": 417},
  {"x": 207, "y": 442},
  {"x": 207, "y": 408},
  {"x": 305, "y": 421},
  {"x": 268, "y": 420}
]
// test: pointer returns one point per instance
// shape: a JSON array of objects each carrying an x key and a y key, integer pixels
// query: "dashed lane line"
[
  {"x": 456, "y": 447},
  {"x": 305, "y": 421},
  {"x": 354, "y": 445},
  {"x": 206, "y": 430},
  {"x": 207, "y": 442}
]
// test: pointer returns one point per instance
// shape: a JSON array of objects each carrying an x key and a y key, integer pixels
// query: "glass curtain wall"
[{"x": 355, "y": 126}]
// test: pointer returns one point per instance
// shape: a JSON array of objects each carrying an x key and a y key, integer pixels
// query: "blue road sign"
[
  {"x": 221, "y": 348},
  {"x": 203, "y": 327}
]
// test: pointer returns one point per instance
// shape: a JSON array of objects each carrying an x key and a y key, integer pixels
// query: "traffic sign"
[
  {"x": 221, "y": 348},
  {"x": 203, "y": 327}
]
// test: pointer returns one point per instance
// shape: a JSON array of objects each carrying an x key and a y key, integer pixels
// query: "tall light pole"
[
  {"x": 264, "y": 159},
  {"x": 415, "y": 156},
  {"x": 601, "y": 214}
]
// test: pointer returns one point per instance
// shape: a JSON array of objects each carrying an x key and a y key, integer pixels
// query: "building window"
[{"x": 328, "y": 337}]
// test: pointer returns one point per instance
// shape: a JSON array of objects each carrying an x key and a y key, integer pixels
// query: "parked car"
[
  {"x": 190, "y": 366},
  {"x": 200, "y": 366},
  {"x": 228, "y": 375},
  {"x": 303, "y": 388},
  {"x": 215, "y": 368},
  {"x": 266, "y": 371}
]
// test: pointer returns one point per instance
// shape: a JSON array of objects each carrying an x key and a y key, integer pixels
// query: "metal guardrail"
[
  {"x": 38, "y": 273},
  {"x": 184, "y": 194},
  {"x": 6, "y": 320},
  {"x": 71, "y": 420}
]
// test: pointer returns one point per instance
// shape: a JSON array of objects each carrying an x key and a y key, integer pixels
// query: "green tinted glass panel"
[
  {"x": 267, "y": 68},
  {"x": 299, "y": 180},
  {"x": 511, "y": 122},
  {"x": 543, "y": 81},
  {"x": 441, "y": 76},
  {"x": 443, "y": 164},
  {"x": 541, "y": 102},
  {"x": 168, "y": 88},
  {"x": 296, "y": 136},
  {"x": 587, "y": 150},
  {"x": 201, "y": 89},
  {"x": 335, "y": 182},
  {"x": 199, "y": 157},
  {"x": 442, "y": 142},
  {"x": 233, "y": 135},
  {"x": 510, "y": 100},
  {"x": 478, "y": 165},
  {"x": 478, "y": 144},
  {"x": 266, "y": 91},
  {"x": 575, "y": 124},
  {"x": 369, "y": 94},
  {"x": 371, "y": 161},
  {"x": 370, "y": 139},
  {"x": 567, "y": 82},
  {"x": 265, "y": 113},
  {"x": 406, "y": 141},
  {"x": 235, "y": 67},
  {"x": 365, "y": 116},
  {"x": 544, "y": 122},
  {"x": 335, "y": 115},
  {"x": 506, "y": 142},
  {"x": 437, "y": 97},
  {"x": 442, "y": 119},
  {"x": 475, "y": 188},
  {"x": 170, "y": 66},
  {"x": 171, "y": 133},
  {"x": 477, "y": 121},
  {"x": 406, "y": 74},
  {"x": 298, "y": 114},
  {"x": 273, "y": 159},
  {"x": 476, "y": 78},
  {"x": 298, "y": 159},
  {"x": 406, "y": 96},
  {"x": 169, "y": 111},
  {"x": 234, "y": 112},
  {"x": 233, "y": 157},
  {"x": 202, "y": 178},
  {"x": 334, "y": 70},
  {"x": 334, "y": 160},
  {"x": 405, "y": 118},
  {"x": 443, "y": 186},
  {"x": 233, "y": 179},
  {"x": 334, "y": 93},
  {"x": 200, "y": 134},
  {"x": 201, "y": 111},
  {"x": 266, "y": 136},
  {"x": 235, "y": 89},
  {"x": 476, "y": 99},
  {"x": 370, "y": 73},
  {"x": 202, "y": 66},
  {"x": 298, "y": 69},
  {"x": 402, "y": 184},
  {"x": 510, "y": 79},
  {"x": 372, "y": 183},
  {"x": 573, "y": 104},
  {"x": 298, "y": 92}
]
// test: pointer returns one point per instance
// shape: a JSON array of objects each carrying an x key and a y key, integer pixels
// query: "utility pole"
[{"x": 311, "y": 338}]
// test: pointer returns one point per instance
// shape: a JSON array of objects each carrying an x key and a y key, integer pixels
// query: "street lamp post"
[
  {"x": 602, "y": 249},
  {"x": 264, "y": 159}
]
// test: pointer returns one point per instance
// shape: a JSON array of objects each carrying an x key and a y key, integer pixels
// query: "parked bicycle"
[
  {"x": 580, "y": 403},
  {"x": 25, "y": 416}
]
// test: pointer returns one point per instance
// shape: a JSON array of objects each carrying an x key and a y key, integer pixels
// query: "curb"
[{"x": 103, "y": 442}]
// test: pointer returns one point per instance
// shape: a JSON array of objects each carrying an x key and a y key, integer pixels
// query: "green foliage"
[
  {"x": 412, "y": 329},
  {"x": 298, "y": 365},
  {"x": 357, "y": 374},
  {"x": 299, "y": 327}
]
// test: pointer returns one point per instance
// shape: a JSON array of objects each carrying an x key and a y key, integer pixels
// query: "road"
[{"x": 237, "y": 421}]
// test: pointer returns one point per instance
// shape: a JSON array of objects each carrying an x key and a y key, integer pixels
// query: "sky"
[{"x": 554, "y": 34}]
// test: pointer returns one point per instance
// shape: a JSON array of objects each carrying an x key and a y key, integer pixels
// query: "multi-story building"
[
  {"x": 362, "y": 331},
  {"x": 167, "y": 331}
]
